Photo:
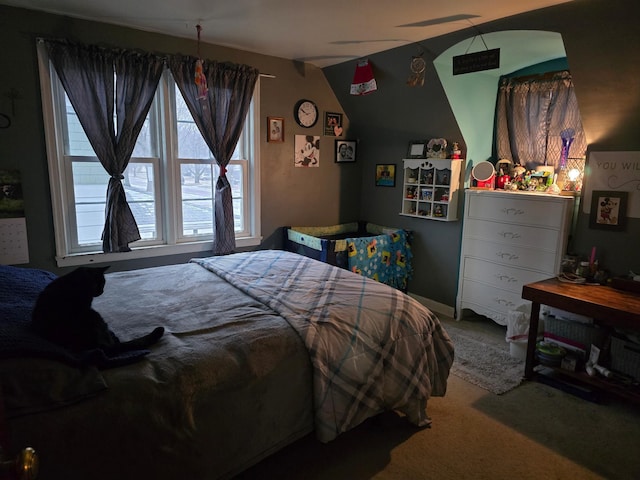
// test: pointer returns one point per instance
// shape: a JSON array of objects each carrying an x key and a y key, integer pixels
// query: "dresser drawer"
[
  {"x": 499, "y": 317},
  {"x": 498, "y": 300},
  {"x": 517, "y": 208},
  {"x": 536, "y": 238},
  {"x": 501, "y": 276},
  {"x": 513, "y": 255}
]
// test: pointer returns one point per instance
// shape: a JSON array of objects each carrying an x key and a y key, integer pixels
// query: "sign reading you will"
[{"x": 476, "y": 62}]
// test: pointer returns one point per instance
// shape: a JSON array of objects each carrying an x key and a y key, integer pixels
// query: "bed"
[
  {"x": 260, "y": 349},
  {"x": 375, "y": 251}
]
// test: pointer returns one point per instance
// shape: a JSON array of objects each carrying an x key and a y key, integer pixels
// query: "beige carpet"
[{"x": 531, "y": 432}]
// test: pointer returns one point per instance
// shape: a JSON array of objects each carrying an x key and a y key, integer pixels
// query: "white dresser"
[{"x": 509, "y": 239}]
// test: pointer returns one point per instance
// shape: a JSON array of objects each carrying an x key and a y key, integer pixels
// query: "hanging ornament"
[
  {"x": 363, "y": 82},
  {"x": 417, "y": 67},
  {"x": 200, "y": 79}
]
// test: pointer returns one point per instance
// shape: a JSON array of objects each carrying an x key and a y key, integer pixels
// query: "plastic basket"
[
  {"x": 575, "y": 335},
  {"x": 625, "y": 357}
]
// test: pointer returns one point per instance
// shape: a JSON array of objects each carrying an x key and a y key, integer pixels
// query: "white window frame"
[{"x": 166, "y": 173}]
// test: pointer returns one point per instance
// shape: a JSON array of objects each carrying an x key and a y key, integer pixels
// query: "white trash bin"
[{"x": 518, "y": 331}]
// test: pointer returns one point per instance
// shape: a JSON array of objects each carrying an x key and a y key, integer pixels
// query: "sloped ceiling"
[{"x": 322, "y": 33}]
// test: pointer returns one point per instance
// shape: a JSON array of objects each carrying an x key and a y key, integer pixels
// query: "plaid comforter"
[{"x": 372, "y": 347}]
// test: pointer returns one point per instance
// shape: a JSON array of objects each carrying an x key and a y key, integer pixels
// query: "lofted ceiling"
[{"x": 322, "y": 33}]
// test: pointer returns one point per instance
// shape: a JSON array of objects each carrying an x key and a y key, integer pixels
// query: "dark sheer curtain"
[
  {"x": 534, "y": 118},
  {"x": 220, "y": 118},
  {"x": 97, "y": 80}
]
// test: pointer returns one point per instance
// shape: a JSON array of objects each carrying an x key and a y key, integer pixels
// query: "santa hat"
[{"x": 363, "y": 82}]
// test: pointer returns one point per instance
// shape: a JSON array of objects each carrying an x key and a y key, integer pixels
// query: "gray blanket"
[
  {"x": 372, "y": 347},
  {"x": 231, "y": 380}
]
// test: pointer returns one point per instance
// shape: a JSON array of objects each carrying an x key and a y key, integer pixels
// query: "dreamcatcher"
[{"x": 417, "y": 67}]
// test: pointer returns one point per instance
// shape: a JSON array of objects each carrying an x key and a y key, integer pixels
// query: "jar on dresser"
[{"x": 509, "y": 239}]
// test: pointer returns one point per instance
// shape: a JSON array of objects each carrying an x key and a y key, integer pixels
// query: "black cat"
[{"x": 63, "y": 315}]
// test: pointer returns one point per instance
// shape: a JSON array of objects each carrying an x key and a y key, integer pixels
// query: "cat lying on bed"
[{"x": 63, "y": 315}]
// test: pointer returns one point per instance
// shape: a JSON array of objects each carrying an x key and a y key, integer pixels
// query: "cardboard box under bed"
[{"x": 378, "y": 252}]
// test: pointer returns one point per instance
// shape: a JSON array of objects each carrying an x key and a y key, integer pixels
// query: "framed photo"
[
  {"x": 417, "y": 149},
  {"x": 275, "y": 129},
  {"x": 333, "y": 124},
  {"x": 345, "y": 151},
  {"x": 386, "y": 175},
  {"x": 608, "y": 210}
]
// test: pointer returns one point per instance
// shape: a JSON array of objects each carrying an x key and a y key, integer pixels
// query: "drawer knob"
[
  {"x": 506, "y": 303},
  {"x": 509, "y": 234},
  {"x": 512, "y": 211},
  {"x": 506, "y": 278},
  {"x": 23, "y": 467},
  {"x": 508, "y": 256}
]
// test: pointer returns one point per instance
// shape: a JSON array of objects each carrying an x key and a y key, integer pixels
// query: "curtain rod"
[
  {"x": 542, "y": 76},
  {"x": 43, "y": 39}
]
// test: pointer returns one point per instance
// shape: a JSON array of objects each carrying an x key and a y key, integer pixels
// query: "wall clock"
[{"x": 306, "y": 113}]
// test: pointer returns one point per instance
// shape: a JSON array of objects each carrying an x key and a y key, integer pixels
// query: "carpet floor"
[{"x": 530, "y": 432}]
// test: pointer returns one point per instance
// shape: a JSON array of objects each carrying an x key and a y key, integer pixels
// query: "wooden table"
[{"x": 606, "y": 305}]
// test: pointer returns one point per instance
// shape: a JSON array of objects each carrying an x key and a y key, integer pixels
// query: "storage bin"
[
  {"x": 625, "y": 357},
  {"x": 575, "y": 336}
]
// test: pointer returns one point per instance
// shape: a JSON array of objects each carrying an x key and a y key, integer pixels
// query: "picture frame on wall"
[
  {"x": 345, "y": 151},
  {"x": 608, "y": 210},
  {"x": 386, "y": 175},
  {"x": 417, "y": 149},
  {"x": 333, "y": 124},
  {"x": 307, "y": 151},
  {"x": 275, "y": 129}
]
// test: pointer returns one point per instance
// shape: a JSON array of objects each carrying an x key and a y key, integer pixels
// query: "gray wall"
[
  {"x": 290, "y": 196},
  {"x": 601, "y": 41}
]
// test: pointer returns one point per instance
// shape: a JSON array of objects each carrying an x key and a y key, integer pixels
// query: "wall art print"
[{"x": 307, "y": 151}]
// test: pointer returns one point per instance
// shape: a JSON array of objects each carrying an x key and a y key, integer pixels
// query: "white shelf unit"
[{"x": 430, "y": 188}]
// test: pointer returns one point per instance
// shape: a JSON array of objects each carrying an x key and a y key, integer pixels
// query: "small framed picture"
[
  {"x": 608, "y": 210},
  {"x": 386, "y": 175},
  {"x": 333, "y": 124},
  {"x": 275, "y": 129},
  {"x": 417, "y": 149},
  {"x": 345, "y": 151}
]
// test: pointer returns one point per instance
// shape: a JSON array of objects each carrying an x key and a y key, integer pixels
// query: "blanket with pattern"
[{"x": 372, "y": 347}]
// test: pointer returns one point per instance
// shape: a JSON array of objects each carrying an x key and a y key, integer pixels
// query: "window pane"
[
  {"x": 90, "y": 189},
  {"x": 235, "y": 174},
  {"x": 197, "y": 198},
  {"x": 140, "y": 189},
  {"x": 190, "y": 141},
  {"x": 145, "y": 146},
  {"x": 78, "y": 144}
]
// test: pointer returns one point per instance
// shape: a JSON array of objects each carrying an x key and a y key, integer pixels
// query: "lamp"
[{"x": 571, "y": 176}]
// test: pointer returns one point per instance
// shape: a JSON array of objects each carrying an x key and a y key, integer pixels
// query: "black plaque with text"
[{"x": 476, "y": 62}]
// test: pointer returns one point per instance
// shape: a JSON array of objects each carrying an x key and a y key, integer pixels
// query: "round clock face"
[{"x": 306, "y": 113}]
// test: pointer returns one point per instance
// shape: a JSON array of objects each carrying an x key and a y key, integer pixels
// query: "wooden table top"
[{"x": 609, "y": 306}]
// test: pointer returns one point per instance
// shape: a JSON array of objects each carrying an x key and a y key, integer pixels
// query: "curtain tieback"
[
  {"x": 117, "y": 176},
  {"x": 223, "y": 171}
]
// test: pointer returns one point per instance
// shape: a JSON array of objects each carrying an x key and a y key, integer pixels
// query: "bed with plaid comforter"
[{"x": 372, "y": 347}]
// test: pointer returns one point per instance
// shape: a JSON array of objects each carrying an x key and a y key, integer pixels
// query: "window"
[
  {"x": 169, "y": 182},
  {"x": 536, "y": 116}
]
